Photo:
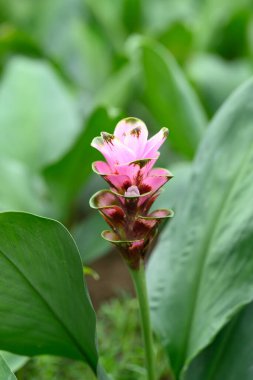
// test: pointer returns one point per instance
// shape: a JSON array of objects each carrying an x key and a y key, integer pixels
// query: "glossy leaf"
[
  {"x": 108, "y": 16},
  {"x": 30, "y": 122},
  {"x": 30, "y": 128},
  {"x": 215, "y": 79},
  {"x": 5, "y": 372},
  {"x": 15, "y": 362},
  {"x": 230, "y": 355},
  {"x": 79, "y": 47},
  {"x": 171, "y": 99},
  {"x": 119, "y": 88},
  {"x": 31, "y": 194},
  {"x": 201, "y": 272},
  {"x": 44, "y": 304},
  {"x": 66, "y": 176}
]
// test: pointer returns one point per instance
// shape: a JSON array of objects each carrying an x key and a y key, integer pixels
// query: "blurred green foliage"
[
  {"x": 70, "y": 69},
  {"x": 122, "y": 355}
]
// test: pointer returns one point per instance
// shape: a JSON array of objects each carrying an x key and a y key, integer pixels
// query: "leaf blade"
[
  {"x": 5, "y": 372},
  {"x": 209, "y": 240},
  {"x": 41, "y": 267},
  {"x": 171, "y": 98}
]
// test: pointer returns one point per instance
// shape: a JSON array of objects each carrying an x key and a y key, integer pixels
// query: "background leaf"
[
  {"x": 171, "y": 99},
  {"x": 15, "y": 362},
  {"x": 30, "y": 126},
  {"x": 204, "y": 261},
  {"x": 230, "y": 355},
  {"x": 30, "y": 123},
  {"x": 172, "y": 191},
  {"x": 206, "y": 70},
  {"x": 44, "y": 306},
  {"x": 87, "y": 235},
  {"x": 66, "y": 176},
  {"x": 5, "y": 372}
]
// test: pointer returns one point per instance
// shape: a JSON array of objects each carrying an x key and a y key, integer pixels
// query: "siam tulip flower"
[{"x": 134, "y": 186}]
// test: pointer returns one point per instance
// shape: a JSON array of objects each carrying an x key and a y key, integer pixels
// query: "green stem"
[{"x": 139, "y": 280}]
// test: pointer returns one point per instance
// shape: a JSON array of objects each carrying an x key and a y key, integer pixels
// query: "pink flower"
[
  {"x": 134, "y": 186},
  {"x": 130, "y": 157}
]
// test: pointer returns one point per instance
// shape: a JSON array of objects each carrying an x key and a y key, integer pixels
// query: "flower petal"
[
  {"x": 137, "y": 139},
  {"x": 144, "y": 225},
  {"x": 160, "y": 172},
  {"x": 136, "y": 170},
  {"x": 101, "y": 168},
  {"x": 155, "y": 142},
  {"x": 125, "y": 126},
  {"x": 109, "y": 206},
  {"x": 104, "y": 198},
  {"x": 119, "y": 182},
  {"x": 114, "y": 151},
  {"x": 160, "y": 214},
  {"x": 156, "y": 179}
]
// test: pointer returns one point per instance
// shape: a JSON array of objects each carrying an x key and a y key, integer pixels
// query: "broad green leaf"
[
  {"x": 5, "y": 372},
  {"x": 108, "y": 16},
  {"x": 35, "y": 109},
  {"x": 65, "y": 34},
  {"x": 178, "y": 39},
  {"x": 230, "y": 355},
  {"x": 160, "y": 14},
  {"x": 13, "y": 40},
  {"x": 171, "y": 98},
  {"x": 118, "y": 89},
  {"x": 213, "y": 19},
  {"x": 66, "y": 176},
  {"x": 44, "y": 304},
  {"x": 201, "y": 272},
  {"x": 31, "y": 194},
  {"x": 15, "y": 362},
  {"x": 67, "y": 37},
  {"x": 215, "y": 78},
  {"x": 132, "y": 15}
]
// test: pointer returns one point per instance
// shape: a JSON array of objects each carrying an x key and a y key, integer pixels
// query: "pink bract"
[
  {"x": 134, "y": 186},
  {"x": 130, "y": 156}
]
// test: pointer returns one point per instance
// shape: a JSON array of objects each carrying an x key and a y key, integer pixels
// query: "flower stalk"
[{"x": 139, "y": 280}]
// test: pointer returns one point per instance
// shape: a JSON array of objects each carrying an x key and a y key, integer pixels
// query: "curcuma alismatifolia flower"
[{"x": 134, "y": 186}]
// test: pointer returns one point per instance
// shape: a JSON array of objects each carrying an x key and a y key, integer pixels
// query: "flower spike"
[{"x": 134, "y": 186}]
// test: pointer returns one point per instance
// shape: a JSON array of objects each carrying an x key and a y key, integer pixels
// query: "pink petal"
[
  {"x": 155, "y": 142},
  {"x": 152, "y": 184},
  {"x": 136, "y": 169},
  {"x": 109, "y": 206},
  {"x": 161, "y": 214},
  {"x": 101, "y": 168},
  {"x": 104, "y": 198},
  {"x": 115, "y": 215},
  {"x": 155, "y": 180},
  {"x": 114, "y": 151},
  {"x": 119, "y": 182},
  {"x": 133, "y": 133},
  {"x": 160, "y": 172}
]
